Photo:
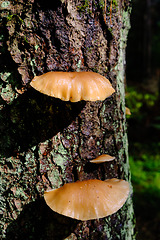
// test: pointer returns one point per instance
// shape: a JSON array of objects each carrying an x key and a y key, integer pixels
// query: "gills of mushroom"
[
  {"x": 102, "y": 158},
  {"x": 73, "y": 86},
  {"x": 88, "y": 199}
]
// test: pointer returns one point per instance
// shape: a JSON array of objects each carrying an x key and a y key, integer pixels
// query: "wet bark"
[{"x": 46, "y": 142}]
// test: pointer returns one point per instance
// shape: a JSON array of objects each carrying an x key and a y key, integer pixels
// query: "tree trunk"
[{"x": 46, "y": 142}]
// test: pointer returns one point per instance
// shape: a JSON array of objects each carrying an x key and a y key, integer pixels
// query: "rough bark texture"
[{"x": 46, "y": 142}]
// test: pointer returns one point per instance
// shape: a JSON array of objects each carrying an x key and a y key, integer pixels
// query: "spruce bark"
[{"x": 46, "y": 142}]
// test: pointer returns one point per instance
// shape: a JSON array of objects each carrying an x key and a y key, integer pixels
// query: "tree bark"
[{"x": 46, "y": 142}]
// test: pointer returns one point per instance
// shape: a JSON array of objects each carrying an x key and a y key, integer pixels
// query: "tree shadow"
[
  {"x": 38, "y": 221},
  {"x": 32, "y": 118}
]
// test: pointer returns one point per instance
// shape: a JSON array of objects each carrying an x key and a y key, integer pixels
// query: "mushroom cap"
[
  {"x": 128, "y": 112},
  {"x": 102, "y": 158},
  {"x": 73, "y": 86},
  {"x": 89, "y": 199}
]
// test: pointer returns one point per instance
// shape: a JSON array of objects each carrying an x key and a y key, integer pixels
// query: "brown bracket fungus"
[
  {"x": 73, "y": 86},
  {"x": 102, "y": 158},
  {"x": 88, "y": 199}
]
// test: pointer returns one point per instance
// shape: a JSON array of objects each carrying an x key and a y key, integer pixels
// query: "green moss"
[
  {"x": 72, "y": 236},
  {"x": 101, "y": 4},
  {"x": 25, "y": 39},
  {"x": 54, "y": 178},
  {"x": 98, "y": 143},
  {"x": 10, "y": 17},
  {"x": 85, "y": 7},
  {"x": 114, "y": 2},
  {"x": 36, "y": 47},
  {"x": 127, "y": 230},
  {"x": 107, "y": 230},
  {"x": 5, "y": 76},
  {"x": 120, "y": 84},
  {"x": 128, "y": 234},
  {"x": 33, "y": 65},
  {"x": 5, "y": 4},
  {"x": 8, "y": 94},
  {"x": 20, "y": 194},
  {"x": 113, "y": 6},
  {"x": 79, "y": 65},
  {"x": 60, "y": 157}
]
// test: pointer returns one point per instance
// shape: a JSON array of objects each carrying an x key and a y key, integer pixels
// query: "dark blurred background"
[{"x": 143, "y": 100}]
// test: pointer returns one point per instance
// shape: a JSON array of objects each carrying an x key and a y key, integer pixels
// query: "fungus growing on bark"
[
  {"x": 128, "y": 112},
  {"x": 73, "y": 86},
  {"x": 88, "y": 199},
  {"x": 102, "y": 158}
]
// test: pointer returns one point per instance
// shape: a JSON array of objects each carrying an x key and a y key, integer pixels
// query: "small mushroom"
[
  {"x": 128, "y": 112},
  {"x": 88, "y": 199},
  {"x": 73, "y": 86},
  {"x": 102, "y": 158}
]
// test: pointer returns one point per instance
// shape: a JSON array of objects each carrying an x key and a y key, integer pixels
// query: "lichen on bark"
[{"x": 47, "y": 142}]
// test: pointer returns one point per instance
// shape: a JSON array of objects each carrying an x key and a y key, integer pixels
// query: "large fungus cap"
[
  {"x": 102, "y": 158},
  {"x": 89, "y": 199},
  {"x": 73, "y": 86}
]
